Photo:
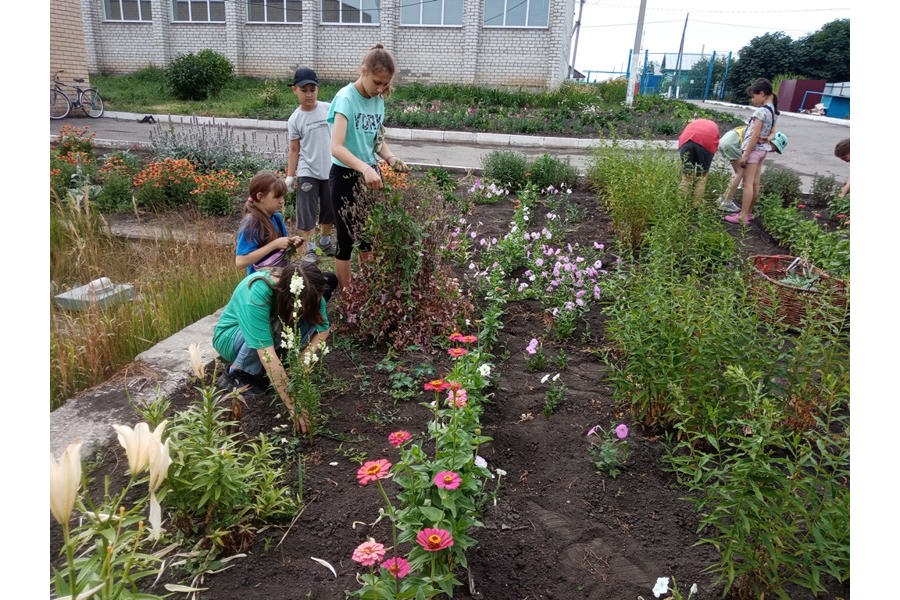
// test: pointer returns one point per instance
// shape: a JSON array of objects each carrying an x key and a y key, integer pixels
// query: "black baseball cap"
[{"x": 303, "y": 76}]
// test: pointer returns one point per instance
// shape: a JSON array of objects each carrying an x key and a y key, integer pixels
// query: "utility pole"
[
  {"x": 577, "y": 32},
  {"x": 635, "y": 55},
  {"x": 680, "y": 54}
]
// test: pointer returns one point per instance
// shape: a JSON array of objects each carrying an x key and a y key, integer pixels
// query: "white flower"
[
  {"x": 545, "y": 378},
  {"x": 296, "y": 284},
  {"x": 500, "y": 472},
  {"x": 556, "y": 377},
  {"x": 661, "y": 587},
  {"x": 485, "y": 370},
  {"x": 480, "y": 462},
  {"x": 65, "y": 477},
  {"x": 693, "y": 590},
  {"x": 138, "y": 443},
  {"x": 196, "y": 361}
]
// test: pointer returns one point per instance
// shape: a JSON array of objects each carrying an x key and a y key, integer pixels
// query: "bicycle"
[{"x": 87, "y": 99}]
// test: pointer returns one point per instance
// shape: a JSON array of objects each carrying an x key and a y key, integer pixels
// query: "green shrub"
[
  {"x": 199, "y": 76},
  {"x": 116, "y": 195},
  {"x": 614, "y": 90},
  {"x": 547, "y": 170},
  {"x": 824, "y": 188},
  {"x": 781, "y": 183},
  {"x": 506, "y": 167},
  {"x": 839, "y": 209}
]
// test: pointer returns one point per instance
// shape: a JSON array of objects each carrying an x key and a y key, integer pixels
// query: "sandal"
[{"x": 736, "y": 218}]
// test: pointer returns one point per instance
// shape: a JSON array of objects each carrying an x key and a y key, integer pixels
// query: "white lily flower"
[
  {"x": 137, "y": 443},
  {"x": 196, "y": 361},
  {"x": 65, "y": 478},
  {"x": 159, "y": 462},
  {"x": 661, "y": 587}
]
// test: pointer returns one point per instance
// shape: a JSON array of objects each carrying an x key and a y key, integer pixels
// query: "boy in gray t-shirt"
[{"x": 309, "y": 163}]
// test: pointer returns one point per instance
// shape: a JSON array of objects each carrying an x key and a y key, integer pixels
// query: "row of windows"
[{"x": 497, "y": 13}]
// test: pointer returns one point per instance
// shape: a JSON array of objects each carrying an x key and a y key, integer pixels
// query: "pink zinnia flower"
[
  {"x": 457, "y": 352},
  {"x": 397, "y": 438},
  {"x": 369, "y": 553},
  {"x": 622, "y": 431},
  {"x": 454, "y": 337},
  {"x": 801, "y": 206},
  {"x": 457, "y": 398},
  {"x": 397, "y": 566},
  {"x": 372, "y": 470},
  {"x": 434, "y": 539},
  {"x": 817, "y": 215},
  {"x": 437, "y": 385},
  {"x": 447, "y": 480},
  {"x": 467, "y": 339}
]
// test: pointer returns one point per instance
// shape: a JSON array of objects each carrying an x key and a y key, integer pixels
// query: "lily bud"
[{"x": 65, "y": 479}]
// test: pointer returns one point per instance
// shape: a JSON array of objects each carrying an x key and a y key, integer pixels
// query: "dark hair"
[
  {"x": 257, "y": 224},
  {"x": 765, "y": 86},
  {"x": 310, "y": 297},
  {"x": 842, "y": 148},
  {"x": 379, "y": 59}
]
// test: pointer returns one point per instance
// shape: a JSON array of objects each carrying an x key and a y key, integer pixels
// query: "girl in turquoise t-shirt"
[
  {"x": 357, "y": 117},
  {"x": 248, "y": 333}
]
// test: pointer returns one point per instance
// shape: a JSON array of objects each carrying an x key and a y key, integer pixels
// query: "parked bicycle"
[{"x": 87, "y": 99}]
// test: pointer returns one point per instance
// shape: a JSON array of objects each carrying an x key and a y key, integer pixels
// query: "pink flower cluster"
[
  {"x": 370, "y": 553},
  {"x": 457, "y": 397}
]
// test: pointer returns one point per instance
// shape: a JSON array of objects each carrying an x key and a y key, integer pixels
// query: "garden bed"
[{"x": 558, "y": 529}]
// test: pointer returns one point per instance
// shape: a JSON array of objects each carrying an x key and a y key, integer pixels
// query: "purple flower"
[
  {"x": 532, "y": 346},
  {"x": 621, "y": 431}
]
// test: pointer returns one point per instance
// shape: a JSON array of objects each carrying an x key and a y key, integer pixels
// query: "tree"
[
  {"x": 765, "y": 56},
  {"x": 825, "y": 54}
]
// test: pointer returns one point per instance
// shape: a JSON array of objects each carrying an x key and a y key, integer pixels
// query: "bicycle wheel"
[
  {"x": 92, "y": 103},
  {"x": 60, "y": 105}
]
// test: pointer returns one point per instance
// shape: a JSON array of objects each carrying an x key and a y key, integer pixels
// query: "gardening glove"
[
  {"x": 400, "y": 166},
  {"x": 289, "y": 182}
]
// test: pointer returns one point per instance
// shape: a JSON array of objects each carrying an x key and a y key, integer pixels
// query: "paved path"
[{"x": 810, "y": 147}]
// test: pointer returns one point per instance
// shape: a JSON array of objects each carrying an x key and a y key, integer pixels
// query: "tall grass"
[{"x": 175, "y": 284}]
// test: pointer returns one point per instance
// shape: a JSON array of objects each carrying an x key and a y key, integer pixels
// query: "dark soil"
[{"x": 559, "y": 530}]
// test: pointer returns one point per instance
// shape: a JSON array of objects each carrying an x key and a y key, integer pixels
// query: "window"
[
  {"x": 516, "y": 13},
  {"x": 431, "y": 12},
  {"x": 128, "y": 10},
  {"x": 203, "y": 11},
  {"x": 274, "y": 11},
  {"x": 351, "y": 11}
]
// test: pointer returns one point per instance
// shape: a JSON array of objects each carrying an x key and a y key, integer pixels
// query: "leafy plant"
[
  {"x": 199, "y": 76},
  {"x": 221, "y": 487},
  {"x": 608, "y": 448},
  {"x": 824, "y": 189},
  {"x": 508, "y": 168},
  {"x": 215, "y": 192},
  {"x": 165, "y": 184},
  {"x": 554, "y": 395},
  {"x": 548, "y": 171},
  {"x": 781, "y": 183}
]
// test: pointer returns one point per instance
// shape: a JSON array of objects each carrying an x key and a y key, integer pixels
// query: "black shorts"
[{"x": 695, "y": 158}]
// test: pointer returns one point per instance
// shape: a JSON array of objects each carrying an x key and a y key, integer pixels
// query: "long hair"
[
  {"x": 256, "y": 223},
  {"x": 380, "y": 60},
  {"x": 310, "y": 297},
  {"x": 765, "y": 86}
]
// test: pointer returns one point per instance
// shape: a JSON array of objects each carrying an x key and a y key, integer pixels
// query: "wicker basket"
[{"x": 793, "y": 286}]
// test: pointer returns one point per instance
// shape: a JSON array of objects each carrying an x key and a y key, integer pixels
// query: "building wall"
[
  {"x": 467, "y": 54},
  {"x": 67, "y": 41}
]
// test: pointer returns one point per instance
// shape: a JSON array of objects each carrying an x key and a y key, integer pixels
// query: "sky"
[{"x": 608, "y": 27}]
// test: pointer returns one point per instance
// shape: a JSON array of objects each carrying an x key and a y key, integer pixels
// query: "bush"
[
  {"x": 199, "y": 76},
  {"x": 215, "y": 192},
  {"x": 506, "y": 167},
  {"x": 780, "y": 182},
  {"x": 165, "y": 184},
  {"x": 824, "y": 188},
  {"x": 547, "y": 170},
  {"x": 116, "y": 194}
]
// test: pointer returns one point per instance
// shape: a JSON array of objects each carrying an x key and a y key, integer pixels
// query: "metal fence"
[{"x": 686, "y": 76}]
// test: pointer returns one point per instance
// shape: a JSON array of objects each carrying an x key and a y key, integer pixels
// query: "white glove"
[{"x": 289, "y": 182}]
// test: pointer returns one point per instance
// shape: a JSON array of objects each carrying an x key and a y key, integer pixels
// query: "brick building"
[
  {"x": 67, "y": 48},
  {"x": 515, "y": 43}
]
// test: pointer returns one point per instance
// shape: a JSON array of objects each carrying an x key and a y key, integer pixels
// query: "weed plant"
[
  {"x": 824, "y": 189},
  {"x": 507, "y": 168},
  {"x": 548, "y": 172}
]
